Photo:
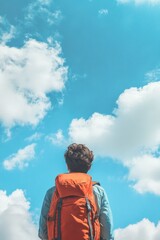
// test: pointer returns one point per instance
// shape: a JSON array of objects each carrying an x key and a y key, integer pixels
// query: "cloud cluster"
[
  {"x": 21, "y": 159},
  {"x": 15, "y": 218},
  {"x": 138, "y": 2},
  {"x": 131, "y": 134},
  {"x": 27, "y": 75},
  {"x": 142, "y": 230}
]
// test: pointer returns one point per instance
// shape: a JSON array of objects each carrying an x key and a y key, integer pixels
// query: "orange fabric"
[{"x": 73, "y": 188}]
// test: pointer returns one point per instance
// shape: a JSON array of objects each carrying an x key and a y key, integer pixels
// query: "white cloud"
[
  {"x": 15, "y": 219},
  {"x": 144, "y": 170},
  {"x": 36, "y": 136},
  {"x": 131, "y": 134},
  {"x": 54, "y": 17},
  {"x": 142, "y": 230},
  {"x": 103, "y": 11},
  {"x": 93, "y": 132},
  {"x": 20, "y": 159},
  {"x": 7, "y": 31},
  {"x": 27, "y": 75},
  {"x": 42, "y": 11},
  {"x": 57, "y": 138},
  {"x": 138, "y": 2},
  {"x": 45, "y": 2},
  {"x": 133, "y": 128},
  {"x": 153, "y": 75},
  {"x": 7, "y": 36}
]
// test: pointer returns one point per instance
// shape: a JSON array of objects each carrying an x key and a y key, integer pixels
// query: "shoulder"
[
  {"x": 49, "y": 193},
  {"x": 100, "y": 195},
  {"x": 98, "y": 190}
]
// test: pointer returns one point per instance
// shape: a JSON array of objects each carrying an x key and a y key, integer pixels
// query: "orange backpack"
[{"x": 73, "y": 210}]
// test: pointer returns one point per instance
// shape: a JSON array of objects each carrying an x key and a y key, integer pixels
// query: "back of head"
[{"x": 78, "y": 158}]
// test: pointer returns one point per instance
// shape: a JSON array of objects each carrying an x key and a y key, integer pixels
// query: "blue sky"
[{"x": 87, "y": 72}]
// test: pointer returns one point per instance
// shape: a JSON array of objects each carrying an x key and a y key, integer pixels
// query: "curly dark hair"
[{"x": 78, "y": 158}]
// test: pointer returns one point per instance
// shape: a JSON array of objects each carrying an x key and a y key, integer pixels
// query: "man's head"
[{"x": 78, "y": 158}]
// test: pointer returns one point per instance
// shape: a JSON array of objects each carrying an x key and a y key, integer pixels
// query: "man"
[{"x": 79, "y": 159}]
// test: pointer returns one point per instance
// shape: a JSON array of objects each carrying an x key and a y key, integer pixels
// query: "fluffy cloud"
[
  {"x": 131, "y": 134},
  {"x": 15, "y": 218},
  {"x": 27, "y": 75},
  {"x": 94, "y": 132},
  {"x": 134, "y": 126},
  {"x": 144, "y": 170},
  {"x": 142, "y": 230},
  {"x": 138, "y": 2},
  {"x": 21, "y": 159}
]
